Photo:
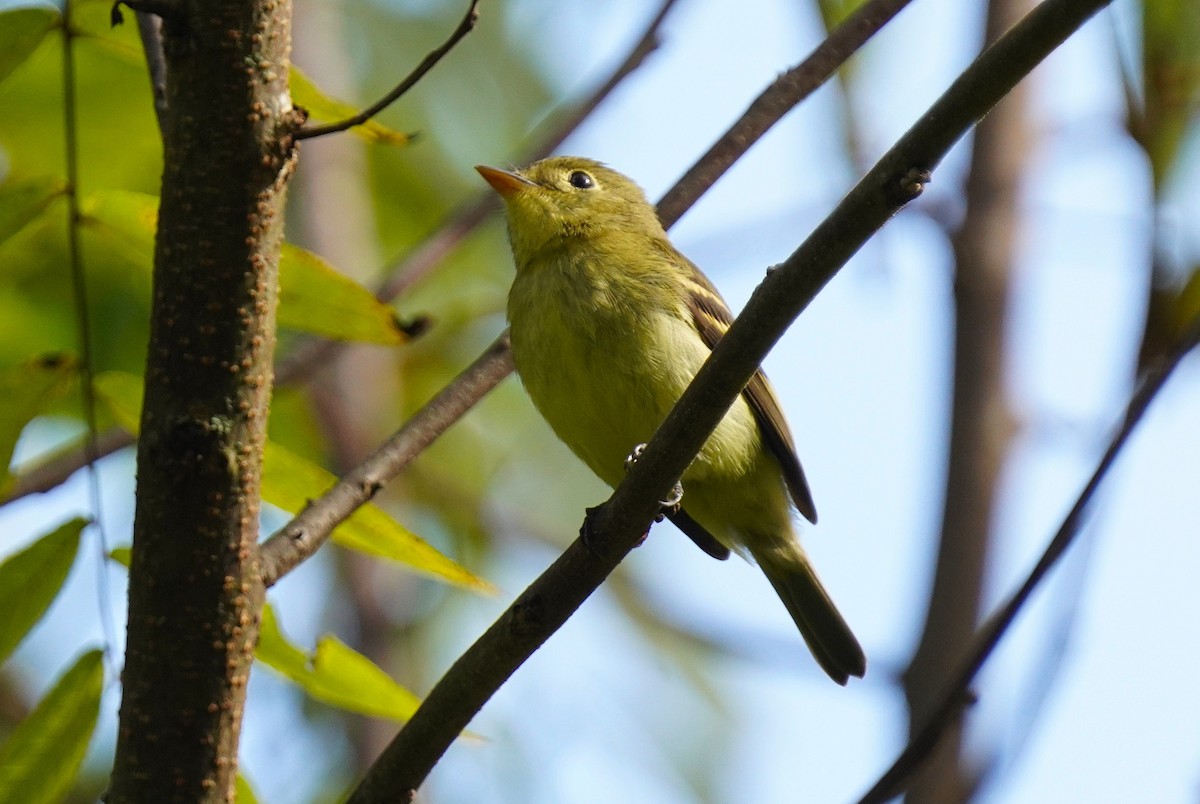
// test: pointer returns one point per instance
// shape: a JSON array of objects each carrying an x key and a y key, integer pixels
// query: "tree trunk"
[{"x": 195, "y": 593}]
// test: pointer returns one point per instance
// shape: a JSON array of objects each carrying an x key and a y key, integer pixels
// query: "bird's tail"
[{"x": 828, "y": 636}]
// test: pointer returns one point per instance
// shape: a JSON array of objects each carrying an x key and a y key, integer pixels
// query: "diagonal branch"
[
  {"x": 428, "y": 63},
  {"x": 784, "y": 94},
  {"x": 616, "y": 526},
  {"x": 951, "y": 701},
  {"x": 301, "y": 537}
]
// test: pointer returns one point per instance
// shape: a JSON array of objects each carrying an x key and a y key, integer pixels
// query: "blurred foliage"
[
  {"x": 39, "y": 761},
  {"x": 30, "y": 580},
  {"x": 1163, "y": 108}
]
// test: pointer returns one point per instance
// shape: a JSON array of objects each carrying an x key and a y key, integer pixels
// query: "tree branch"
[
  {"x": 428, "y": 63},
  {"x": 892, "y": 783},
  {"x": 150, "y": 32},
  {"x": 195, "y": 586},
  {"x": 616, "y": 526},
  {"x": 301, "y": 537},
  {"x": 783, "y": 95}
]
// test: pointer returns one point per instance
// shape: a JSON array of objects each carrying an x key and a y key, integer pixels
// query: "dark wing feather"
[
  {"x": 712, "y": 318},
  {"x": 699, "y": 536}
]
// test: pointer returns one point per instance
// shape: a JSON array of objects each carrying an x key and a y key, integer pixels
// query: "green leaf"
[
  {"x": 243, "y": 792},
  {"x": 1171, "y": 71},
  {"x": 43, "y": 754},
  {"x": 24, "y": 200},
  {"x": 121, "y": 392},
  {"x": 320, "y": 106},
  {"x": 290, "y": 482},
  {"x": 27, "y": 390},
  {"x": 335, "y": 674},
  {"x": 313, "y": 295},
  {"x": 30, "y": 580},
  {"x": 21, "y": 31}
]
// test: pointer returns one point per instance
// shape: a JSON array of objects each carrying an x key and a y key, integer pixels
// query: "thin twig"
[
  {"x": 892, "y": 783},
  {"x": 150, "y": 31},
  {"x": 301, "y": 537},
  {"x": 783, "y": 95},
  {"x": 616, "y": 527},
  {"x": 83, "y": 320},
  {"x": 464, "y": 27},
  {"x": 54, "y": 471}
]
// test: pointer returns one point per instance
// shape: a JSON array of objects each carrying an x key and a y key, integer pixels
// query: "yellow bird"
[{"x": 609, "y": 324}]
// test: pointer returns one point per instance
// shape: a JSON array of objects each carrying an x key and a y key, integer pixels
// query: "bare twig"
[
  {"x": 616, "y": 527},
  {"x": 54, "y": 472},
  {"x": 464, "y": 27},
  {"x": 892, "y": 783},
  {"x": 784, "y": 94},
  {"x": 150, "y": 31},
  {"x": 301, "y": 537}
]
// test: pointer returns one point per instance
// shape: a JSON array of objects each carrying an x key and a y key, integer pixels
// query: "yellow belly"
[{"x": 602, "y": 397}]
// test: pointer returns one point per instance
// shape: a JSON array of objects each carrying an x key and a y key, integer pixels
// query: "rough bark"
[
  {"x": 195, "y": 587},
  {"x": 981, "y": 428}
]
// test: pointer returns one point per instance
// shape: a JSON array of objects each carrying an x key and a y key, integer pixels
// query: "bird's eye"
[{"x": 581, "y": 180}]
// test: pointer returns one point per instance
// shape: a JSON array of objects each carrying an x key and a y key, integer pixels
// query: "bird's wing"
[
  {"x": 712, "y": 318},
  {"x": 699, "y": 536}
]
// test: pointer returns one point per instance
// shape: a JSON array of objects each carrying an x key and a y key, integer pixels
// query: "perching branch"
[
  {"x": 784, "y": 94},
  {"x": 616, "y": 526},
  {"x": 892, "y": 783},
  {"x": 428, "y": 63},
  {"x": 301, "y": 537}
]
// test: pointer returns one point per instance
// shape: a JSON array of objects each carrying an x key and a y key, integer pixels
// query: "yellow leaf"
[{"x": 335, "y": 674}]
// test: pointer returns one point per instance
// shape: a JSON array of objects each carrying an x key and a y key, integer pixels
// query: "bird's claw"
[
  {"x": 669, "y": 505},
  {"x": 633, "y": 456}
]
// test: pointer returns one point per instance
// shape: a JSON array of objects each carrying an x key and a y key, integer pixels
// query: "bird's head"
[{"x": 566, "y": 198}]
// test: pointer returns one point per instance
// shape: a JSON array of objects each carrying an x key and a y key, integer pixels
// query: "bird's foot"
[{"x": 669, "y": 505}]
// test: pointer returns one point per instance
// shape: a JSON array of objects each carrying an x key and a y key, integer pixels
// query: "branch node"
[{"x": 912, "y": 184}]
